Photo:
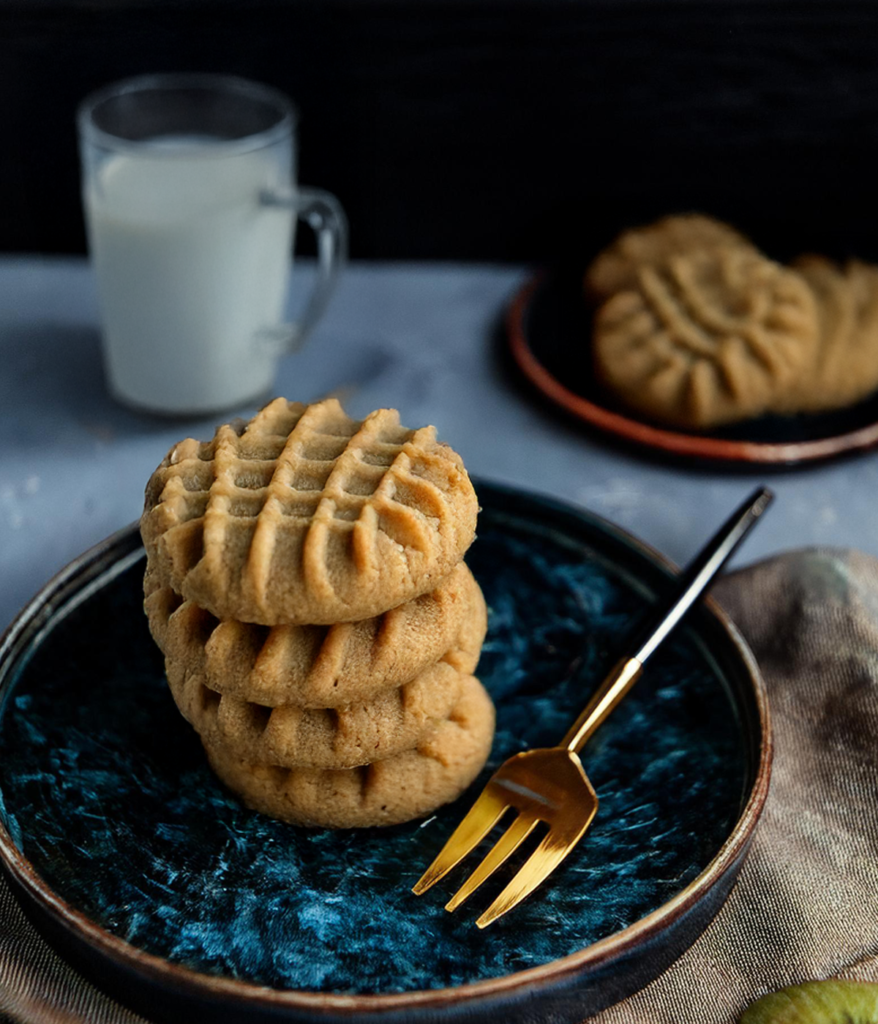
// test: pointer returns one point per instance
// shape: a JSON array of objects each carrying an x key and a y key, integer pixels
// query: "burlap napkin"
[{"x": 806, "y": 904}]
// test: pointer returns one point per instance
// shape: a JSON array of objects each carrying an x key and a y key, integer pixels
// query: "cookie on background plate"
[
  {"x": 846, "y": 367},
  {"x": 707, "y": 338},
  {"x": 616, "y": 268}
]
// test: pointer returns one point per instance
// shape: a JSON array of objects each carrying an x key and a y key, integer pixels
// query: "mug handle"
[{"x": 324, "y": 215}]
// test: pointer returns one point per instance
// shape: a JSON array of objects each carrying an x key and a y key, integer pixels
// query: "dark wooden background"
[{"x": 489, "y": 129}]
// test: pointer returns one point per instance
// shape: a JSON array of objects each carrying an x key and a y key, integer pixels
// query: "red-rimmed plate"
[{"x": 549, "y": 334}]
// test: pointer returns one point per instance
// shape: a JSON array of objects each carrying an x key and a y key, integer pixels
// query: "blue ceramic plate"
[
  {"x": 549, "y": 335},
  {"x": 159, "y": 884}
]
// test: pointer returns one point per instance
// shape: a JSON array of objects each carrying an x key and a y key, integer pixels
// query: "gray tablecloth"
[{"x": 806, "y": 903}]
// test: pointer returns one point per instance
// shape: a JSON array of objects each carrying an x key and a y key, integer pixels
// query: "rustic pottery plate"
[
  {"x": 548, "y": 330},
  {"x": 155, "y": 882}
]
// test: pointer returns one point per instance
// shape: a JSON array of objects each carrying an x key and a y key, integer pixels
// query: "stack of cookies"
[
  {"x": 306, "y": 584},
  {"x": 695, "y": 327}
]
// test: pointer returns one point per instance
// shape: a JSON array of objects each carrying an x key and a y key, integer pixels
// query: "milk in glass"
[{"x": 190, "y": 268}]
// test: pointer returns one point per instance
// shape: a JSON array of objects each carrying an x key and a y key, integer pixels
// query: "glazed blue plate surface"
[{"x": 106, "y": 795}]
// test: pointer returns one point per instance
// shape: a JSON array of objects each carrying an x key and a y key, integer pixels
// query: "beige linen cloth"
[{"x": 806, "y": 903}]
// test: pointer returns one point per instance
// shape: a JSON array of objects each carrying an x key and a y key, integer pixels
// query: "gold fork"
[{"x": 549, "y": 785}]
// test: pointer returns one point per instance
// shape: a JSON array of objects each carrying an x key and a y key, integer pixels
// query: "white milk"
[{"x": 190, "y": 267}]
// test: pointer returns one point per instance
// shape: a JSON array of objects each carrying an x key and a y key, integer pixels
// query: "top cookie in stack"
[
  {"x": 292, "y": 563},
  {"x": 304, "y": 515}
]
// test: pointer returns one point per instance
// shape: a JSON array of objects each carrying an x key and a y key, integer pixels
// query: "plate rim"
[
  {"x": 661, "y": 439},
  {"x": 96, "y": 560}
]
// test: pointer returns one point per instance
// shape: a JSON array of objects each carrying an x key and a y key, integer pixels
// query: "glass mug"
[{"x": 190, "y": 197}]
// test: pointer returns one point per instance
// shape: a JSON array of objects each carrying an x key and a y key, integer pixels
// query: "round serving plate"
[
  {"x": 548, "y": 331},
  {"x": 163, "y": 889}
]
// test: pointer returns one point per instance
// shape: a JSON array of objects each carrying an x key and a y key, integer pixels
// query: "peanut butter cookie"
[
  {"x": 706, "y": 338},
  {"x": 388, "y": 792},
  {"x": 313, "y": 666},
  {"x": 304, "y": 515},
  {"x": 846, "y": 368},
  {"x": 343, "y": 737},
  {"x": 616, "y": 268}
]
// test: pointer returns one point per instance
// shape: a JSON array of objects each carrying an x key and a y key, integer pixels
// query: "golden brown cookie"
[
  {"x": 313, "y": 666},
  {"x": 711, "y": 337},
  {"x": 304, "y": 515},
  {"x": 846, "y": 368},
  {"x": 400, "y": 788},
  {"x": 342, "y": 737},
  {"x": 616, "y": 268}
]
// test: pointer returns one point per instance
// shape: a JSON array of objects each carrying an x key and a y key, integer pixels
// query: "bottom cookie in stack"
[{"x": 387, "y": 792}]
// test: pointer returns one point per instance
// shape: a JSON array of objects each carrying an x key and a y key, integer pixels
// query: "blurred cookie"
[
  {"x": 388, "y": 792},
  {"x": 304, "y": 515},
  {"x": 706, "y": 338},
  {"x": 616, "y": 268},
  {"x": 314, "y": 666},
  {"x": 846, "y": 367}
]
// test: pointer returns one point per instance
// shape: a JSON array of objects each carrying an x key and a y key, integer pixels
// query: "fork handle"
[{"x": 695, "y": 579}]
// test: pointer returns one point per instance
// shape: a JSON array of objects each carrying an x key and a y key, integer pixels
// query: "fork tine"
[
  {"x": 535, "y": 870},
  {"x": 505, "y": 846},
  {"x": 482, "y": 817}
]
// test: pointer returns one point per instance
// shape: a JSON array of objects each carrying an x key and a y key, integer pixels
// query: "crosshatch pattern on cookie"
[
  {"x": 616, "y": 268},
  {"x": 708, "y": 337},
  {"x": 317, "y": 666},
  {"x": 304, "y": 515},
  {"x": 400, "y": 788}
]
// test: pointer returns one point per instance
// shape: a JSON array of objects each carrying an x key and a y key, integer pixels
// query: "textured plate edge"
[{"x": 88, "y": 567}]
